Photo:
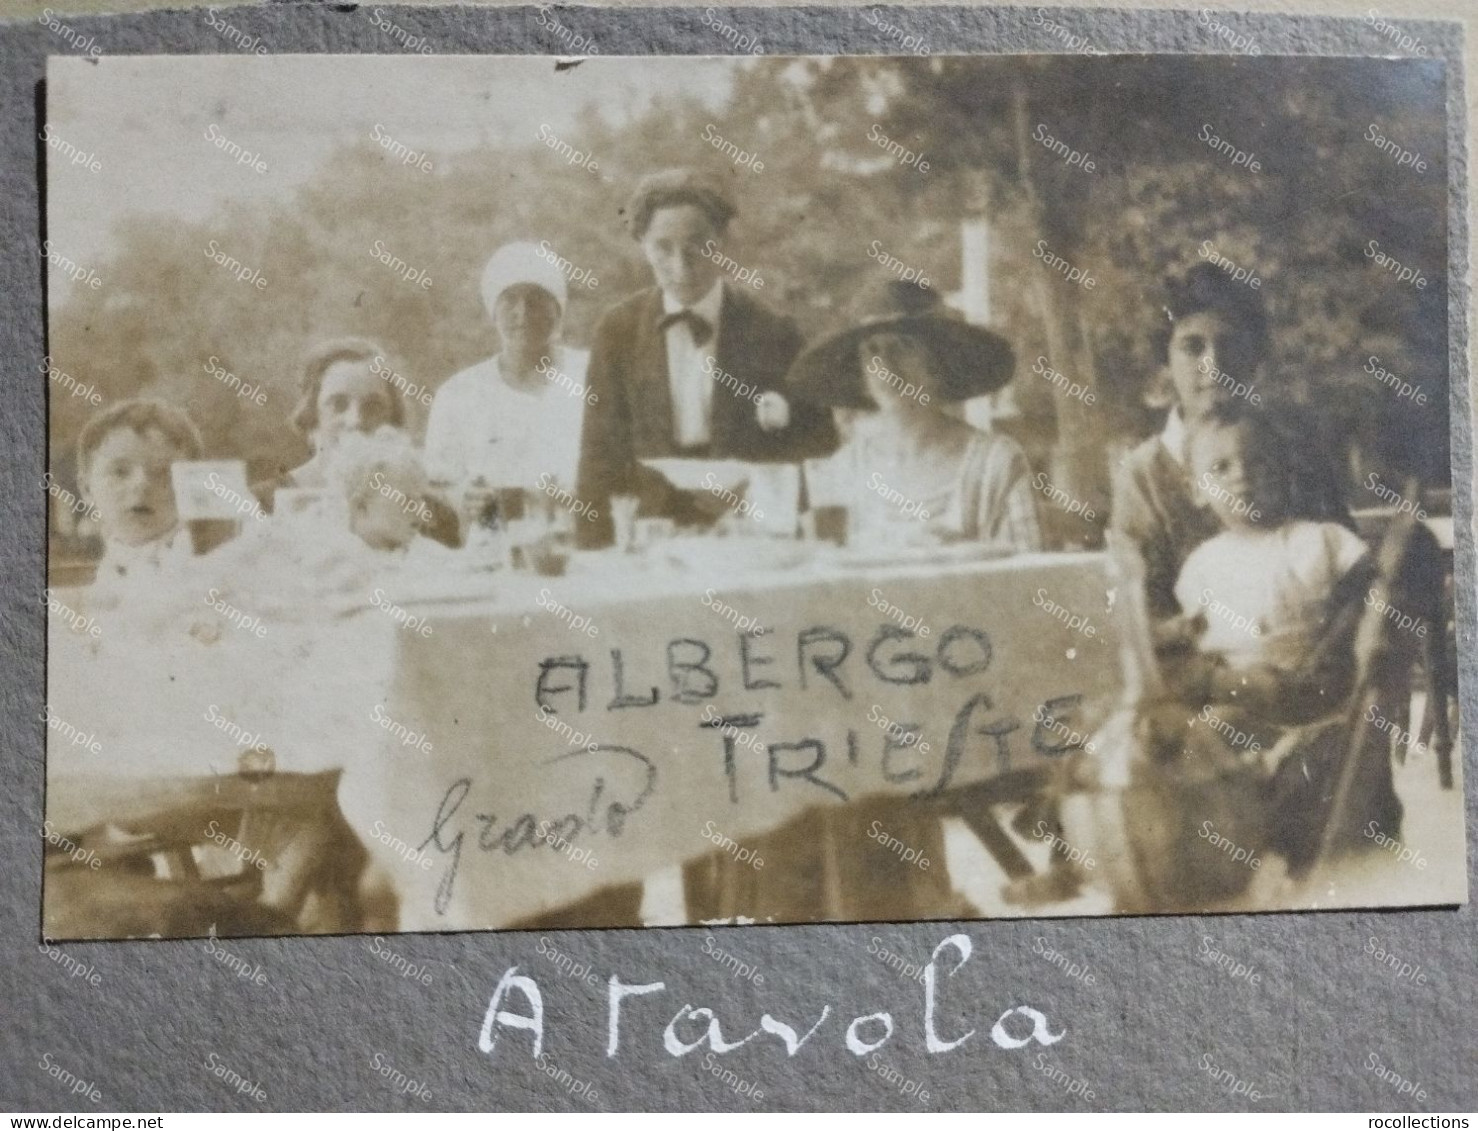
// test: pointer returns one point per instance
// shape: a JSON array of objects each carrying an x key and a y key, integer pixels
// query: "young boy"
[
  {"x": 1265, "y": 644},
  {"x": 1259, "y": 592},
  {"x": 386, "y": 492},
  {"x": 123, "y": 468}
]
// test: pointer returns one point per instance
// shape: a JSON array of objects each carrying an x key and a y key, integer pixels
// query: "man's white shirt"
[{"x": 691, "y": 384}]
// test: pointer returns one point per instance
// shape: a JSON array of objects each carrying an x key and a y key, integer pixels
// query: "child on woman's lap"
[
  {"x": 1256, "y": 597},
  {"x": 1259, "y": 601},
  {"x": 1262, "y": 587}
]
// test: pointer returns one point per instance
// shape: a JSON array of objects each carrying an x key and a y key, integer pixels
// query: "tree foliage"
[{"x": 827, "y": 191}]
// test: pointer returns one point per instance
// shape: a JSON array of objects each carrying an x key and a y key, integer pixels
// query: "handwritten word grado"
[
  {"x": 628, "y": 773},
  {"x": 691, "y": 1029}
]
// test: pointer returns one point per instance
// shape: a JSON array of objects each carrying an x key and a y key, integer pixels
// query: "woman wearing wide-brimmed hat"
[
  {"x": 887, "y": 379},
  {"x": 912, "y": 472}
]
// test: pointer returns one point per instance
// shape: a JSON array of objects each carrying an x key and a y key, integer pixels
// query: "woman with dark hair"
[
  {"x": 1237, "y": 511},
  {"x": 342, "y": 388},
  {"x": 1214, "y": 343},
  {"x": 345, "y": 387}
]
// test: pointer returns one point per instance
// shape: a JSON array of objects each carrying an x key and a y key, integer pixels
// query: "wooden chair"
[
  {"x": 1333, "y": 769},
  {"x": 1411, "y": 578},
  {"x": 257, "y": 853},
  {"x": 1424, "y": 590}
]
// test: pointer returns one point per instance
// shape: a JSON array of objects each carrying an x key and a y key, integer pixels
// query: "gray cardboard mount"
[{"x": 157, "y": 1026}]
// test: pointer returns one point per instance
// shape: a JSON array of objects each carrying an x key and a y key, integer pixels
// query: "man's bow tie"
[{"x": 699, "y": 327}]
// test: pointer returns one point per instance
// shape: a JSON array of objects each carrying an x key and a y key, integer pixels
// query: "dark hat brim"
[{"x": 967, "y": 361}]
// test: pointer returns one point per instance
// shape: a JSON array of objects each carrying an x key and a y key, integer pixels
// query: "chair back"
[
  {"x": 229, "y": 855},
  {"x": 1408, "y": 584}
]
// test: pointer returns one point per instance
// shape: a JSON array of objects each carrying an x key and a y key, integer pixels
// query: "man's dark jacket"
[{"x": 632, "y": 416}]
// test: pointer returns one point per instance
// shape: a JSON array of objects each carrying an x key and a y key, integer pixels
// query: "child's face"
[
  {"x": 128, "y": 482},
  {"x": 381, "y": 522},
  {"x": 1228, "y": 476}
]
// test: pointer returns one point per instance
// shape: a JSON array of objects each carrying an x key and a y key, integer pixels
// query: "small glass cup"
[
  {"x": 623, "y": 519},
  {"x": 511, "y": 505},
  {"x": 549, "y": 557},
  {"x": 479, "y": 506},
  {"x": 831, "y": 523},
  {"x": 652, "y": 531}
]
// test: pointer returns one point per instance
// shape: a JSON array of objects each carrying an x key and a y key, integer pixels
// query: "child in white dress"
[
  {"x": 124, "y": 457},
  {"x": 1258, "y": 593},
  {"x": 386, "y": 494}
]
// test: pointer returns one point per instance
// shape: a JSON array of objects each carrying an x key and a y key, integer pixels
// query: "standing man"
[{"x": 690, "y": 367}]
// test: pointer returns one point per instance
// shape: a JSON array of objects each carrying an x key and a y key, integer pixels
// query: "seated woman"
[
  {"x": 1215, "y": 343},
  {"x": 884, "y": 378},
  {"x": 1273, "y": 603},
  {"x": 340, "y": 394},
  {"x": 345, "y": 390}
]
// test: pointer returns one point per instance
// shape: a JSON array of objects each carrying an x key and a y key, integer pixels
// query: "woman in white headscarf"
[{"x": 516, "y": 416}]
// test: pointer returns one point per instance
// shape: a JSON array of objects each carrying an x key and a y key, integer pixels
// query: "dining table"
[{"x": 511, "y": 741}]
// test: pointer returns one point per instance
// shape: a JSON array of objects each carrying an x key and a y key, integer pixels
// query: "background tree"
[{"x": 827, "y": 190}]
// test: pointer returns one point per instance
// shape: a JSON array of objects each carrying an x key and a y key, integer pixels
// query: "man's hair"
[
  {"x": 317, "y": 362},
  {"x": 1207, "y": 289},
  {"x": 673, "y": 187},
  {"x": 140, "y": 415}
]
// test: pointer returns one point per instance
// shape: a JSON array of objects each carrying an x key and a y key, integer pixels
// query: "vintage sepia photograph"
[{"x": 493, "y": 492}]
